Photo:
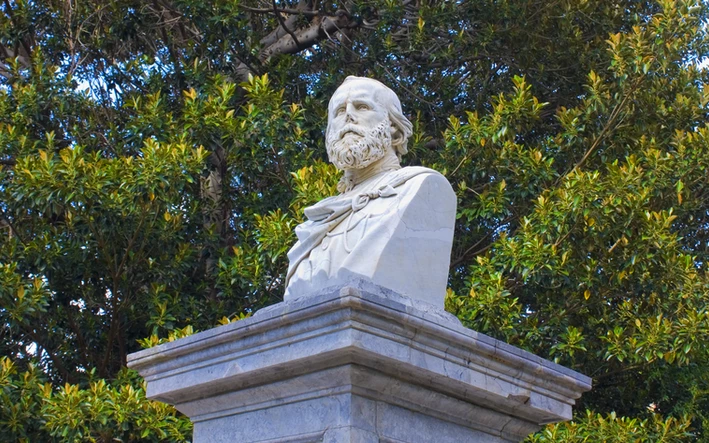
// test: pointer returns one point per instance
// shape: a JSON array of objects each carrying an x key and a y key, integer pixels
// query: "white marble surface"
[
  {"x": 356, "y": 364},
  {"x": 401, "y": 242},
  {"x": 390, "y": 225}
]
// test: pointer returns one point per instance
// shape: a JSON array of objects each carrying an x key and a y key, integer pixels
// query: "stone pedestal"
[{"x": 356, "y": 364}]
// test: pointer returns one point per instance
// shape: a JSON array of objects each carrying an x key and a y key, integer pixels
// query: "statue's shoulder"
[
  {"x": 426, "y": 200},
  {"x": 416, "y": 173},
  {"x": 416, "y": 176},
  {"x": 423, "y": 189}
]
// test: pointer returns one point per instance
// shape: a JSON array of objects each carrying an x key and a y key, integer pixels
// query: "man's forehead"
[{"x": 357, "y": 89}]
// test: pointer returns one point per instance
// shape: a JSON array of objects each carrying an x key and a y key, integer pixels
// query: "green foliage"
[
  {"x": 102, "y": 413},
  {"x": 612, "y": 428},
  {"x": 32, "y": 410},
  {"x": 156, "y": 156},
  {"x": 20, "y": 402}
]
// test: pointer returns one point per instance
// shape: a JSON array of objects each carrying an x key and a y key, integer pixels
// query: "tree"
[{"x": 155, "y": 157}]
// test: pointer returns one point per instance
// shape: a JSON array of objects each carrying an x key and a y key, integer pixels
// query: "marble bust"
[{"x": 389, "y": 225}]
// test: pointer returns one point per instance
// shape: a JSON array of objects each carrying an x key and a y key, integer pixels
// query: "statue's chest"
[{"x": 358, "y": 224}]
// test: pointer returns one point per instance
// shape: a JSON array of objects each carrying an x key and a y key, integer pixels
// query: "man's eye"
[
  {"x": 363, "y": 107},
  {"x": 339, "y": 111}
]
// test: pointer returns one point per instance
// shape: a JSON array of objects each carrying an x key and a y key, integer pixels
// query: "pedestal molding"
[{"x": 376, "y": 347}]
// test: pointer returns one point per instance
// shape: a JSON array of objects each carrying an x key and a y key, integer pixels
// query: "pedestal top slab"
[{"x": 371, "y": 327}]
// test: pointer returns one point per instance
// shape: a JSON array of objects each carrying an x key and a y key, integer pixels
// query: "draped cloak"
[{"x": 340, "y": 213}]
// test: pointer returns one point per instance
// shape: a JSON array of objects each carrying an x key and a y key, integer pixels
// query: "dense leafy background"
[{"x": 156, "y": 155}]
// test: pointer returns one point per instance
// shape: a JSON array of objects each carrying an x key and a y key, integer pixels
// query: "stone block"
[{"x": 356, "y": 364}]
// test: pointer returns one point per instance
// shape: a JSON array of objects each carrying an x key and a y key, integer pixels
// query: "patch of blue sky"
[
  {"x": 98, "y": 88},
  {"x": 309, "y": 53},
  {"x": 311, "y": 82},
  {"x": 703, "y": 60}
]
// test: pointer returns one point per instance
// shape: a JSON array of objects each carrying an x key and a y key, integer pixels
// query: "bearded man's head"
[{"x": 365, "y": 121}]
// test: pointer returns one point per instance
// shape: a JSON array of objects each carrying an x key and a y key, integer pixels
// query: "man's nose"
[{"x": 349, "y": 114}]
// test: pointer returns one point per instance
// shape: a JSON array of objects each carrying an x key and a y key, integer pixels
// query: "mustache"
[{"x": 351, "y": 128}]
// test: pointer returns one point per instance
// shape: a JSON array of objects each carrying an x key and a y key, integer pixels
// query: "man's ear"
[{"x": 396, "y": 135}]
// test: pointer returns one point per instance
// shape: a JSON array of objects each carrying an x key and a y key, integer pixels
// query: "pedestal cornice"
[{"x": 364, "y": 342}]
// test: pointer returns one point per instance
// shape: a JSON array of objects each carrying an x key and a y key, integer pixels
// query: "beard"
[{"x": 361, "y": 151}]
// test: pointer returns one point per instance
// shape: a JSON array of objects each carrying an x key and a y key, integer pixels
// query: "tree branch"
[
  {"x": 606, "y": 128},
  {"x": 283, "y": 25},
  {"x": 279, "y": 32},
  {"x": 10, "y": 225},
  {"x": 464, "y": 255},
  {"x": 173, "y": 57},
  {"x": 22, "y": 41},
  {"x": 303, "y": 12},
  {"x": 59, "y": 365},
  {"x": 318, "y": 30}
]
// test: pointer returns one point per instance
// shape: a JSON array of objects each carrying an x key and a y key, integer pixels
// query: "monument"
[{"x": 361, "y": 349}]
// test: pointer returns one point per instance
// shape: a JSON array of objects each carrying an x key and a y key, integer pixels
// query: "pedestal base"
[{"x": 356, "y": 365}]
